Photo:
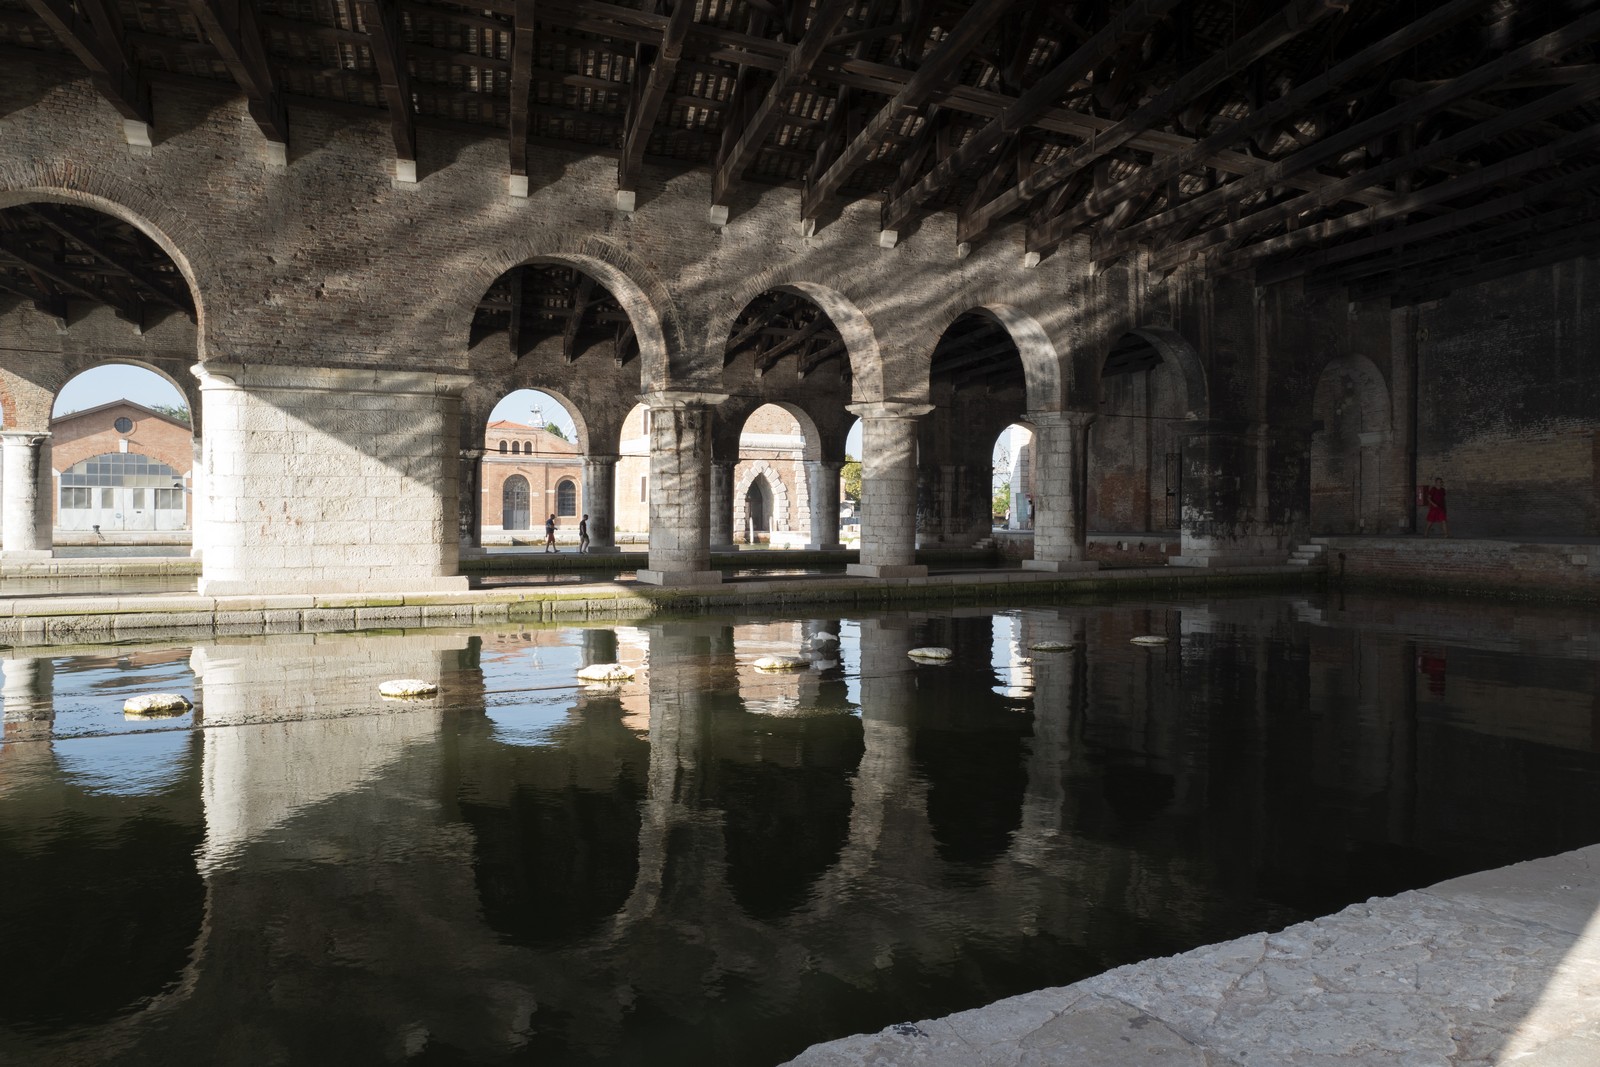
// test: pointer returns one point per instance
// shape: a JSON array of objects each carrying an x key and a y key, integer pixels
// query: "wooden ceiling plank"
[
  {"x": 934, "y": 72},
  {"x": 1266, "y": 36},
  {"x": 1547, "y": 47},
  {"x": 744, "y": 149},
  {"x": 1136, "y": 18},
  {"x": 650, "y": 93},
  {"x": 230, "y": 26},
  {"x": 91, "y": 30}
]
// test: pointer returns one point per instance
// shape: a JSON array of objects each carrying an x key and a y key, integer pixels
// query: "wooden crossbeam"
[
  {"x": 518, "y": 285},
  {"x": 580, "y": 303},
  {"x": 230, "y": 26},
  {"x": 85, "y": 239},
  {"x": 766, "y": 360},
  {"x": 1266, "y": 36},
  {"x": 1444, "y": 278},
  {"x": 39, "y": 268},
  {"x": 90, "y": 30},
  {"x": 931, "y": 75},
  {"x": 1445, "y": 148},
  {"x": 651, "y": 92},
  {"x": 812, "y": 360},
  {"x": 520, "y": 84},
  {"x": 952, "y": 365},
  {"x": 742, "y": 152},
  {"x": 1136, "y": 18},
  {"x": 1470, "y": 216},
  {"x": 1547, "y": 47},
  {"x": 382, "y": 18}
]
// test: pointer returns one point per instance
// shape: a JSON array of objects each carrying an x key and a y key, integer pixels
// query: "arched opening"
[
  {"x": 1011, "y": 504},
  {"x": 770, "y": 483},
  {"x": 632, "y": 501},
  {"x": 515, "y": 512},
  {"x": 538, "y": 456},
  {"x": 557, "y": 310},
  {"x": 978, "y": 384},
  {"x": 1135, "y": 442},
  {"x": 758, "y": 511},
  {"x": 122, "y": 454},
  {"x": 1349, "y": 460},
  {"x": 785, "y": 330}
]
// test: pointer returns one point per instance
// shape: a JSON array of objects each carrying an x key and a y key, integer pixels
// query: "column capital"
[
  {"x": 472, "y": 453},
  {"x": 889, "y": 409},
  {"x": 1073, "y": 419},
  {"x": 600, "y": 457},
  {"x": 305, "y": 379},
  {"x": 670, "y": 399},
  {"x": 29, "y": 437}
]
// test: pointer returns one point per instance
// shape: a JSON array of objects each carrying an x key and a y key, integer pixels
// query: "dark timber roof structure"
[{"x": 1398, "y": 148}]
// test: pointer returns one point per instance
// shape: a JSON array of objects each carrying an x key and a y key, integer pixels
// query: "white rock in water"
[
  {"x": 933, "y": 652},
  {"x": 1150, "y": 639},
  {"x": 407, "y": 687},
  {"x": 606, "y": 672},
  {"x": 1049, "y": 646},
  {"x": 824, "y": 638},
  {"x": 152, "y": 705},
  {"x": 780, "y": 663}
]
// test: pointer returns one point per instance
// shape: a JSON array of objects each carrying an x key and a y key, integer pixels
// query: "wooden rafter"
[
  {"x": 651, "y": 92},
  {"x": 521, "y": 83},
  {"x": 58, "y": 276},
  {"x": 382, "y": 18},
  {"x": 230, "y": 26},
  {"x": 580, "y": 304},
  {"x": 91, "y": 30},
  {"x": 120, "y": 261}
]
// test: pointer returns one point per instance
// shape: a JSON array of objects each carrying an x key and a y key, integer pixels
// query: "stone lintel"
[
  {"x": 680, "y": 578},
  {"x": 1058, "y": 565},
  {"x": 877, "y": 570},
  {"x": 300, "y": 379},
  {"x": 682, "y": 398},
  {"x": 889, "y": 409}
]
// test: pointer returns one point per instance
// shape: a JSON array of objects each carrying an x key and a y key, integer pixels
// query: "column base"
[
  {"x": 875, "y": 570},
  {"x": 729, "y": 547},
  {"x": 1227, "y": 561},
  {"x": 1060, "y": 565},
  {"x": 680, "y": 578},
  {"x": 834, "y": 547},
  {"x": 26, "y": 555}
]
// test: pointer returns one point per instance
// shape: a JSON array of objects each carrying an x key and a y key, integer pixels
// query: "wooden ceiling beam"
[
  {"x": 952, "y": 365},
  {"x": 231, "y": 27},
  {"x": 649, "y": 94},
  {"x": 933, "y": 73},
  {"x": 521, "y": 83},
  {"x": 769, "y": 358},
  {"x": 1440, "y": 279},
  {"x": 1136, "y": 18},
  {"x": 58, "y": 276},
  {"x": 744, "y": 149},
  {"x": 832, "y": 350},
  {"x": 388, "y": 46},
  {"x": 580, "y": 304},
  {"x": 1266, "y": 36},
  {"x": 91, "y": 30},
  {"x": 1446, "y": 148},
  {"x": 1549, "y": 46}
]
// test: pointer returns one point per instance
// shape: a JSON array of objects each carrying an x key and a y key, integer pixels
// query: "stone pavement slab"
[{"x": 1501, "y": 967}]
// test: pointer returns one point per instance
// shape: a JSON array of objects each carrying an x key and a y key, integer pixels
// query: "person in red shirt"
[{"x": 1436, "y": 509}]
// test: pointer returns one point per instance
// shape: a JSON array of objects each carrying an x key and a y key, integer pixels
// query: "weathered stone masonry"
[{"x": 334, "y": 307}]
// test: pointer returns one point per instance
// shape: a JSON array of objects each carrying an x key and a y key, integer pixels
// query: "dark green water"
[{"x": 713, "y": 865}]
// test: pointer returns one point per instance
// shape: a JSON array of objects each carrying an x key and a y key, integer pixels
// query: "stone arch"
[
  {"x": 479, "y": 405},
  {"x": 189, "y": 390},
  {"x": 664, "y": 356},
  {"x": 1041, "y": 361},
  {"x": 1350, "y": 449},
  {"x": 1177, "y": 351},
  {"x": 855, "y": 329},
  {"x": 782, "y": 519},
  {"x": 734, "y": 413},
  {"x": 158, "y": 217}
]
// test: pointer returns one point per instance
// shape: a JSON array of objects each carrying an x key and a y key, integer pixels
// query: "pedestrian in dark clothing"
[
  {"x": 550, "y": 534},
  {"x": 583, "y": 534}
]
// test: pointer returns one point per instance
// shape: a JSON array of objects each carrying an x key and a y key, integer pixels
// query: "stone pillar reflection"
[
  {"x": 1060, "y": 466},
  {"x": 1055, "y": 676},
  {"x": 822, "y": 486},
  {"x": 599, "y": 501},
  {"x": 889, "y": 489},
  {"x": 195, "y": 497},
  {"x": 470, "y": 502},
  {"x": 25, "y": 495},
  {"x": 722, "y": 505},
  {"x": 28, "y": 693},
  {"x": 680, "y": 489}
]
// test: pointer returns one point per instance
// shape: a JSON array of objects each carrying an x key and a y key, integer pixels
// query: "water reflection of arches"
[
  {"x": 1151, "y": 382},
  {"x": 1350, "y": 448}
]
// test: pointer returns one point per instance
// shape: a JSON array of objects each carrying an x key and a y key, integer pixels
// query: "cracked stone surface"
[{"x": 1497, "y": 968}]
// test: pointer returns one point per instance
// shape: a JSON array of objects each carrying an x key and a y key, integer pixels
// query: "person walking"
[
  {"x": 550, "y": 533},
  {"x": 583, "y": 534},
  {"x": 1436, "y": 509}
]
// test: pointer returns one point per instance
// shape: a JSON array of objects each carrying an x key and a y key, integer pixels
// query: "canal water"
[{"x": 710, "y": 864}]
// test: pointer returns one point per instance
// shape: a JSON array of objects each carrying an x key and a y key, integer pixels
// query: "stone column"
[
  {"x": 335, "y": 481},
  {"x": 954, "y": 527},
  {"x": 889, "y": 489},
  {"x": 25, "y": 494},
  {"x": 196, "y": 495},
  {"x": 469, "y": 502},
  {"x": 822, "y": 486},
  {"x": 722, "y": 505},
  {"x": 680, "y": 489},
  {"x": 599, "y": 501},
  {"x": 1060, "y": 478},
  {"x": 1244, "y": 493}
]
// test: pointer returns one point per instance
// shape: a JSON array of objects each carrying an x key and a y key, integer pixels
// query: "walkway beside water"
[{"x": 1501, "y": 967}]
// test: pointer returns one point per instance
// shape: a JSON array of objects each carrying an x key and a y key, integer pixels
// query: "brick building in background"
[
  {"x": 529, "y": 473},
  {"x": 121, "y": 467}
]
